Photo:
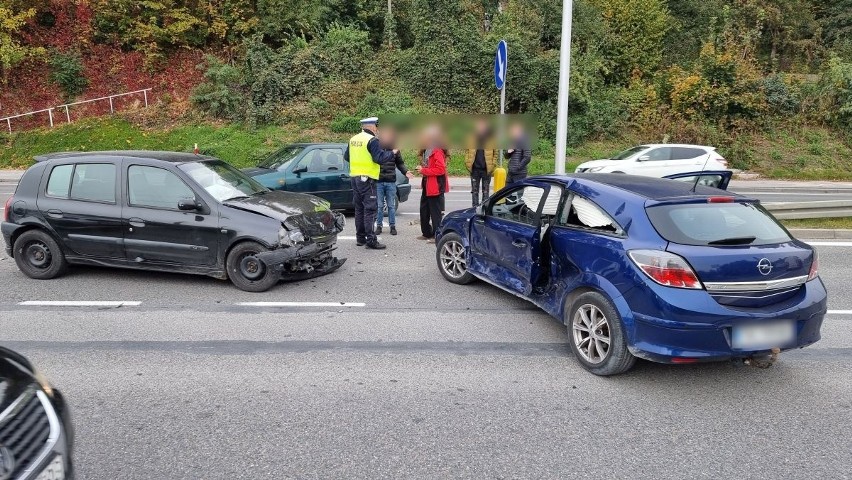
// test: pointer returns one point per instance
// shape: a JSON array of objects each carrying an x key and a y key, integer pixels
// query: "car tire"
[
  {"x": 592, "y": 321},
  {"x": 39, "y": 256},
  {"x": 248, "y": 274},
  {"x": 452, "y": 261}
]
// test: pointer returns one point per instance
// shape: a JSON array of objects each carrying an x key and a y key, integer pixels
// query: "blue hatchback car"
[{"x": 664, "y": 270}]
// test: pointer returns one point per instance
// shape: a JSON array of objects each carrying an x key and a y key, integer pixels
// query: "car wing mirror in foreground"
[
  {"x": 300, "y": 170},
  {"x": 188, "y": 204},
  {"x": 644, "y": 158}
]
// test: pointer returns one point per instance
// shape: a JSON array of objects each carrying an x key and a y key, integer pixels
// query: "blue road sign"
[{"x": 500, "y": 62}]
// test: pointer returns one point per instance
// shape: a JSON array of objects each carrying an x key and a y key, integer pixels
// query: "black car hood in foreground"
[
  {"x": 312, "y": 215},
  {"x": 16, "y": 375}
]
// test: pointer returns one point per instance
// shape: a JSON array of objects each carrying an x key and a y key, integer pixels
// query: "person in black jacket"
[
  {"x": 386, "y": 186},
  {"x": 520, "y": 155}
]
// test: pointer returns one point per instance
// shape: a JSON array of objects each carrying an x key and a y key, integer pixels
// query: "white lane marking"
[
  {"x": 301, "y": 304},
  {"x": 828, "y": 244},
  {"x": 78, "y": 303},
  {"x": 840, "y": 312},
  {"x": 345, "y": 237}
]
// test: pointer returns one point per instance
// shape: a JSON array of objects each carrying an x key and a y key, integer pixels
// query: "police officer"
[{"x": 365, "y": 156}]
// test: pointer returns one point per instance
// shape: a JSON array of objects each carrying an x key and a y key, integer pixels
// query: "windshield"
[
  {"x": 282, "y": 156},
  {"x": 717, "y": 224},
  {"x": 221, "y": 180},
  {"x": 629, "y": 153}
]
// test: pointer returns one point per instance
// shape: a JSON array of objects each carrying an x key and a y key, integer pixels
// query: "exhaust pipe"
[{"x": 765, "y": 361}]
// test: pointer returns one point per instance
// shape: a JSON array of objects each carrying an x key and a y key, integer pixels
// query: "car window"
[
  {"x": 707, "y": 223},
  {"x": 222, "y": 181},
  {"x": 321, "y": 161},
  {"x": 281, "y": 157},
  {"x": 519, "y": 205},
  {"x": 59, "y": 182},
  {"x": 582, "y": 213},
  {"x": 685, "y": 153},
  {"x": 156, "y": 187},
  {"x": 658, "y": 154},
  {"x": 707, "y": 180},
  {"x": 94, "y": 182},
  {"x": 629, "y": 153}
]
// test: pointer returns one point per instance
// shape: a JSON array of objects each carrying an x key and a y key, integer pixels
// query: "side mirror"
[
  {"x": 300, "y": 170},
  {"x": 480, "y": 209},
  {"x": 644, "y": 158},
  {"x": 188, "y": 205}
]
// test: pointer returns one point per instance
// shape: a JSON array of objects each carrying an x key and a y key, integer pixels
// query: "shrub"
[
  {"x": 66, "y": 70},
  {"x": 344, "y": 52},
  {"x": 345, "y": 124},
  {"x": 220, "y": 95}
]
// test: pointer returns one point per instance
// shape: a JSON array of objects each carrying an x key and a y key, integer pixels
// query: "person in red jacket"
[{"x": 435, "y": 183}]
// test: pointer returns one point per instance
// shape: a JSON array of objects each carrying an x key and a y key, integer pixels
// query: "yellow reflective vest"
[{"x": 360, "y": 161}]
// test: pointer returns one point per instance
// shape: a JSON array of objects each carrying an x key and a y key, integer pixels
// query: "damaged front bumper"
[{"x": 306, "y": 260}]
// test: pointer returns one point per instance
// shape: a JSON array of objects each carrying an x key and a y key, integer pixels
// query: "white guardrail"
[
  {"x": 812, "y": 209},
  {"x": 67, "y": 107}
]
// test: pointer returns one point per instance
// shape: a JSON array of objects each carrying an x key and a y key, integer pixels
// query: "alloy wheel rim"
[
  {"x": 38, "y": 255},
  {"x": 452, "y": 259},
  {"x": 591, "y": 333}
]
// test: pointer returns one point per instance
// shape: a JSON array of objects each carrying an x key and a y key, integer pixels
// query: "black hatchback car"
[
  {"x": 165, "y": 211},
  {"x": 36, "y": 435}
]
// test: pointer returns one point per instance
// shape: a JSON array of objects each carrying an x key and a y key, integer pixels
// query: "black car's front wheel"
[
  {"x": 596, "y": 335},
  {"x": 39, "y": 256},
  {"x": 246, "y": 271},
  {"x": 452, "y": 261}
]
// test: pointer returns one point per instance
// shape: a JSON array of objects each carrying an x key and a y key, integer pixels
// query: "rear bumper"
[
  {"x": 702, "y": 330},
  {"x": 8, "y": 230}
]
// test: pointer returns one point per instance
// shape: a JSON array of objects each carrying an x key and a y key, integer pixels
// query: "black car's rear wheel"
[
  {"x": 39, "y": 256},
  {"x": 452, "y": 261},
  {"x": 596, "y": 335},
  {"x": 247, "y": 272}
]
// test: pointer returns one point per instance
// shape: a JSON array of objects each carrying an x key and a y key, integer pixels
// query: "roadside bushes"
[
  {"x": 220, "y": 95},
  {"x": 66, "y": 70}
]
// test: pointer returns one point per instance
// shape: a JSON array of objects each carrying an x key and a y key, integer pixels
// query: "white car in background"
[{"x": 658, "y": 160}]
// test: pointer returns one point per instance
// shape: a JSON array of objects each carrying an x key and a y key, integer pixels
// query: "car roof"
[
  {"x": 686, "y": 145},
  {"x": 174, "y": 157},
  {"x": 331, "y": 144},
  {"x": 650, "y": 188}
]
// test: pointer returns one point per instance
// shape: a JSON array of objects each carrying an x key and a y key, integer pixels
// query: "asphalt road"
[{"x": 403, "y": 375}]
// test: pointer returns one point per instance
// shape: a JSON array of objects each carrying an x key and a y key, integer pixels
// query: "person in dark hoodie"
[
  {"x": 481, "y": 160},
  {"x": 386, "y": 186},
  {"x": 520, "y": 155}
]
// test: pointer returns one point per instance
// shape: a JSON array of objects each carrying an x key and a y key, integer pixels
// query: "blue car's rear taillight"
[{"x": 666, "y": 268}]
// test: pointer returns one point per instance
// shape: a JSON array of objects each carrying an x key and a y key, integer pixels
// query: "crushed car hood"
[
  {"x": 280, "y": 205},
  {"x": 307, "y": 213}
]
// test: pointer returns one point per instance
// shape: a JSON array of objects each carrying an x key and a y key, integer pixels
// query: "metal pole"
[
  {"x": 145, "y": 92},
  {"x": 110, "y": 106},
  {"x": 67, "y": 114},
  {"x": 9, "y": 124},
  {"x": 564, "y": 79},
  {"x": 503, "y": 106},
  {"x": 50, "y": 113}
]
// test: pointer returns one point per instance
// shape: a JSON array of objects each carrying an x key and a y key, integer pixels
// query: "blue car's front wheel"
[
  {"x": 597, "y": 336},
  {"x": 452, "y": 261}
]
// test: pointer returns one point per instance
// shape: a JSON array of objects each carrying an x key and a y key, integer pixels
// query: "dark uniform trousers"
[{"x": 366, "y": 208}]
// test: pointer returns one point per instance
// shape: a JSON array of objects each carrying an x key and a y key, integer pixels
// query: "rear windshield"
[{"x": 717, "y": 224}]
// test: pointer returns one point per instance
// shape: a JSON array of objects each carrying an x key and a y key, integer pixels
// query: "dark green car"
[{"x": 315, "y": 168}]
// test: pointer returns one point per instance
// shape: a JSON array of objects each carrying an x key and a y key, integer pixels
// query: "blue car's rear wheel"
[
  {"x": 597, "y": 336},
  {"x": 452, "y": 261}
]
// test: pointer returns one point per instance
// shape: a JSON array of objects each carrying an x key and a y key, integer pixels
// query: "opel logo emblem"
[
  {"x": 764, "y": 266},
  {"x": 7, "y": 463}
]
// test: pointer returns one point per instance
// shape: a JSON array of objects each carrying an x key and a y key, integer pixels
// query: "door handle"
[
  {"x": 136, "y": 222},
  {"x": 519, "y": 244},
  {"x": 54, "y": 213}
]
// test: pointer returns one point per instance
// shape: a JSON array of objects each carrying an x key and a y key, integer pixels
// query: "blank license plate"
[
  {"x": 54, "y": 471},
  {"x": 763, "y": 336}
]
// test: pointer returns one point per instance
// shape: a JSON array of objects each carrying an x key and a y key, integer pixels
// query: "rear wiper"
[{"x": 733, "y": 241}]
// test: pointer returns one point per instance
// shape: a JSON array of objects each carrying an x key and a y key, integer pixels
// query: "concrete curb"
[{"x": 821, "y": 233}]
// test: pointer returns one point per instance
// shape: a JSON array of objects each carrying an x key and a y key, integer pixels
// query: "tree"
[
  {"x": 635, "y": 32},
  {"x": 12, "y": 51}
]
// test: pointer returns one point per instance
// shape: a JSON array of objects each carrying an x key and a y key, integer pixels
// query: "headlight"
[{"x": 287, "y": 238}]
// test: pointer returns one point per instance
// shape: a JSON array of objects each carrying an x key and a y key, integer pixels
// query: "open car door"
[
  {"x": 505, "y": 238},
  {"x": 710, "y": 178}
]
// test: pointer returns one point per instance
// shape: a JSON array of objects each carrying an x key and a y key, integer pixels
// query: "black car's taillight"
[{"x": 7, "y": 210}]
